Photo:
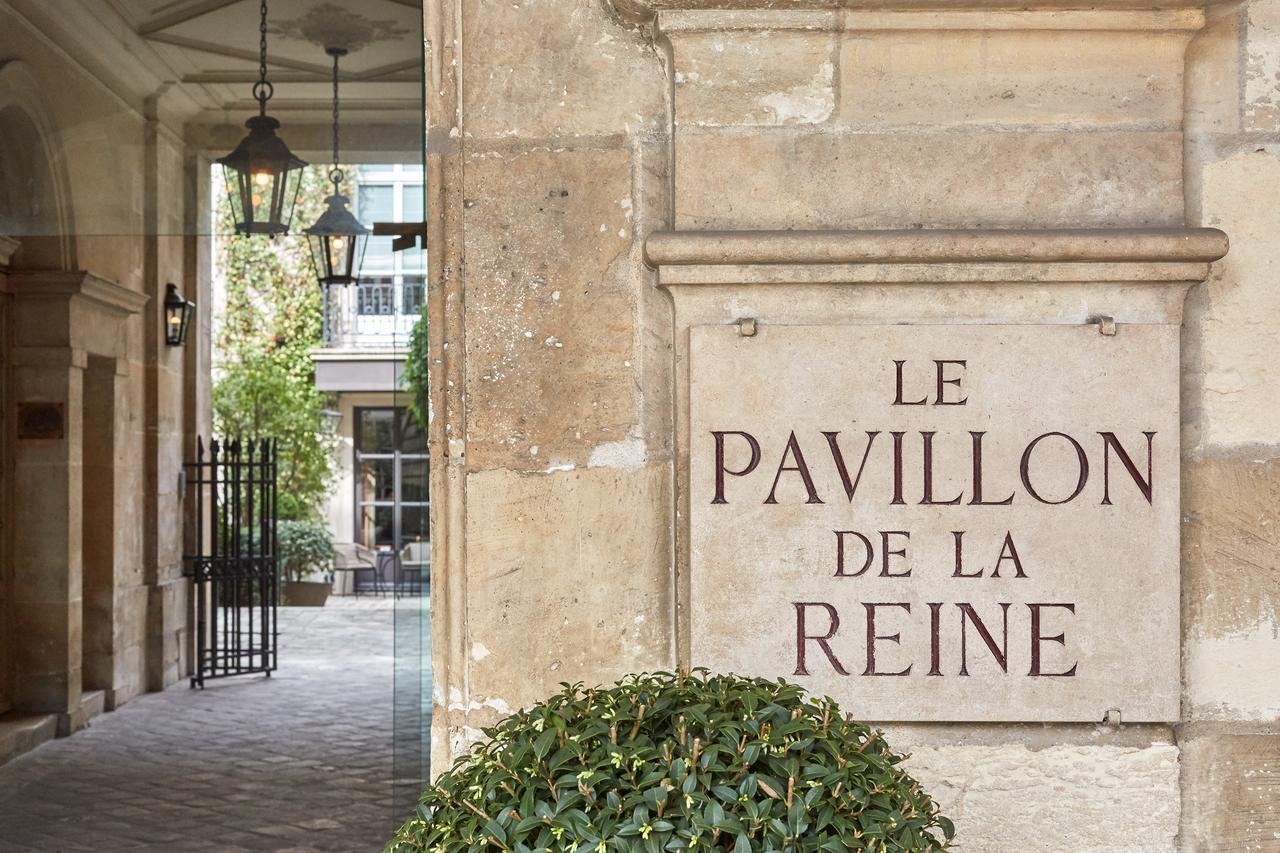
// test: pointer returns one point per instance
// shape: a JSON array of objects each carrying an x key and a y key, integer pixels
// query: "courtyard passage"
[{"x": 301, "y": 761}]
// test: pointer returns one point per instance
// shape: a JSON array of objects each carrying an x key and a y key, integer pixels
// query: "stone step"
[{"x": 20, "y": 733}]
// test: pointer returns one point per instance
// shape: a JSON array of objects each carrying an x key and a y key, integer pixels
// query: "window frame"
[
  {"x": 399, "y": 178},
  {"x": 399, "y": 415}
]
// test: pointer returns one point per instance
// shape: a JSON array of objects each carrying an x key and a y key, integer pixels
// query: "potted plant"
[
  {"x": 677, "y": 762},
  {"x": 305, "y": 549}
]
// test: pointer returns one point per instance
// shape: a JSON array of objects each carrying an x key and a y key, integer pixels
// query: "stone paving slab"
[{"x": 301, "y": 761}]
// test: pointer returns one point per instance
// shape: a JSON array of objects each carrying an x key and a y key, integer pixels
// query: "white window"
[{"x": 390, "y": 282}]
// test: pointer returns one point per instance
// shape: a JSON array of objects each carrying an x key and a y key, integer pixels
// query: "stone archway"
[
  {"x": 35, "y": 205},
  {"x": 36, "y": 233}
]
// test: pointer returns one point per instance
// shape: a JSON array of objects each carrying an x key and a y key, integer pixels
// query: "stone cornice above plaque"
[
  {"x": 77, "y": 285},
  {"x": 1175, "y": 255},
  {"x": 673, "y": 15}
]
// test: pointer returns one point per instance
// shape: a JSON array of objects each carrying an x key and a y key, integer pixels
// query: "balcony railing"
[{"x": 377, "y": 313}]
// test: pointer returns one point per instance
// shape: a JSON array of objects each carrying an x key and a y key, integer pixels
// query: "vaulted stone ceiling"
[
  {"x": 196, "y": 60},
  {"x": 213, "y": 46}
]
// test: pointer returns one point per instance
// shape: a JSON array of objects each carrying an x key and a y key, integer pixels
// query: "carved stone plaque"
[{"x": 940, "y": 522}]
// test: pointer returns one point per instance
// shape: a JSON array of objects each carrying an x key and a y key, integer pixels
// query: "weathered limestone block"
[
  {"x": 1236, "y": 391},
  {"x": 551, "y": 306},
  {"x": 1231, "y": 567},
  {"x": 554, "y": 68},
  {"x": 561, "y": 582},
  {"x": 1212, "y": 101},
  {"x": 1007, "y": 77},
  {"x": 935, "y": 179},
  {"x": 1261, "y": 52},
  {"x": 757, "y": 77},
  {"x": 1230, "y": 791},
  {"x": 934, "y": 117},
  {"x": 1086, "y": 799}
]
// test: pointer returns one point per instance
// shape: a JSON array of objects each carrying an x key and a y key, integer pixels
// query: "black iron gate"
[{"x": 235, "y": 558}]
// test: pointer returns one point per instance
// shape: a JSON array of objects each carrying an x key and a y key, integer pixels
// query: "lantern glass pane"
[
  {"x": 339, "y": 262},
  {"x": 359, "y": 249},
  {"x": 263, "y": 194},
  {"x": 290, "y": 187},
  {"x": 319, "y": 256},
  {"x": 231, "y": 178}
]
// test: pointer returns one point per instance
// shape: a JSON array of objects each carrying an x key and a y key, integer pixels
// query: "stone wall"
[
  {"x": 563, "y": 132},
  {"x": 87, "y": 283},
  {"x": 7, "y": 634},
  {"x": 554, "y": 416},
  {"x": 1230, "y": 734}
]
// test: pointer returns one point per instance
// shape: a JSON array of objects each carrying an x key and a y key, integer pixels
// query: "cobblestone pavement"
[{"x": 299, "y": 762}]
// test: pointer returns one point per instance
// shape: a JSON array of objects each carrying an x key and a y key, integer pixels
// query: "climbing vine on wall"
[
  {"x": 415, "y": 370},
  {"x": 264, "y": 382}
]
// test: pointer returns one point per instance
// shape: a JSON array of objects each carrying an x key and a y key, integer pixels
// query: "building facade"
[
  {"x": 98, "y": 411},
  {"x": 379, "y": 499},
  {"x": 614, "y": 195}
]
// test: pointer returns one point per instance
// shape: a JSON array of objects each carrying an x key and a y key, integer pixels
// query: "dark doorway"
[{"x": 98, "y": 528}]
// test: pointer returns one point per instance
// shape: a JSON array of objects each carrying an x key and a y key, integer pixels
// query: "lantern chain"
[
  {"x": 262, "y": 90},
  {"x": 336, "y": 175}
]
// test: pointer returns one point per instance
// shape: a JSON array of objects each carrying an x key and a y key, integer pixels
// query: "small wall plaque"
[{"x": 41, "y": 421}]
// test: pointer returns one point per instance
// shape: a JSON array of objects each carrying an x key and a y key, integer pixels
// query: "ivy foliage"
[
  {"x": 264, "y": 379},
  {"x": 677, "y": 762},
  {"x": 415, "y": 370}
]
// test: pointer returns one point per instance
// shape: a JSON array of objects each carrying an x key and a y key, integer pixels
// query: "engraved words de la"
[{"x": 897, "y": 468}]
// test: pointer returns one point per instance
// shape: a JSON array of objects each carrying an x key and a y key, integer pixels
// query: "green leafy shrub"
[
  {"x": 416, "y": 372},
  {"x": 304, "y": 546},
  {"x": 677, "y": 762}
]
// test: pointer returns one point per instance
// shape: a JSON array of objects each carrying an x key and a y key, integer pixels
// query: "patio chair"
[
  {"x": 354, "y": 558},
  {"x": 415, "y": 561}
]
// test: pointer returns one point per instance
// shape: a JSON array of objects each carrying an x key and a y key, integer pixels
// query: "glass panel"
[
  {"x": 413, "y": 194},
  {"x": 413, "y": 526},
  {"x": 377, "y": 431},
  {"x": 379, "y": 257},
  {"x": 377, "y": 203},
  {"x": 413, "y": 480},
  {"x": 375, "y": 480},
  {"x": 377, "y": 526},
  {"x": 413, "y": 260},
  {"x": 375, "y": 297},
  {"x": 412, "y": 292},
  {"x": 412, "y": 438}
]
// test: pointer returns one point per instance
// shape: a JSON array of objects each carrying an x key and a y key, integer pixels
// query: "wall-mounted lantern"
[
  {"x": 337, "y": 238},
  {"x": 263, "y": 176},
  {"x": 177, "y": 316}
]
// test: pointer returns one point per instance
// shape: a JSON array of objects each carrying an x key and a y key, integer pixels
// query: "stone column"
[
  {"x": 61, "y": 318},
  {"x": 47, "y": 522},
  {"x": 8, "y": 247}
]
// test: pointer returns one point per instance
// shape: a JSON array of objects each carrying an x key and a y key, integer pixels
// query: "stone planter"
[{"x": 306, "y": 593}]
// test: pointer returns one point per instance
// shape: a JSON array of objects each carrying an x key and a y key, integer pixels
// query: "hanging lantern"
[
  {"x": 263, "y": 176},
  {"x": 337, "y": 239},
  {"x": 177, "y": 316}
]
